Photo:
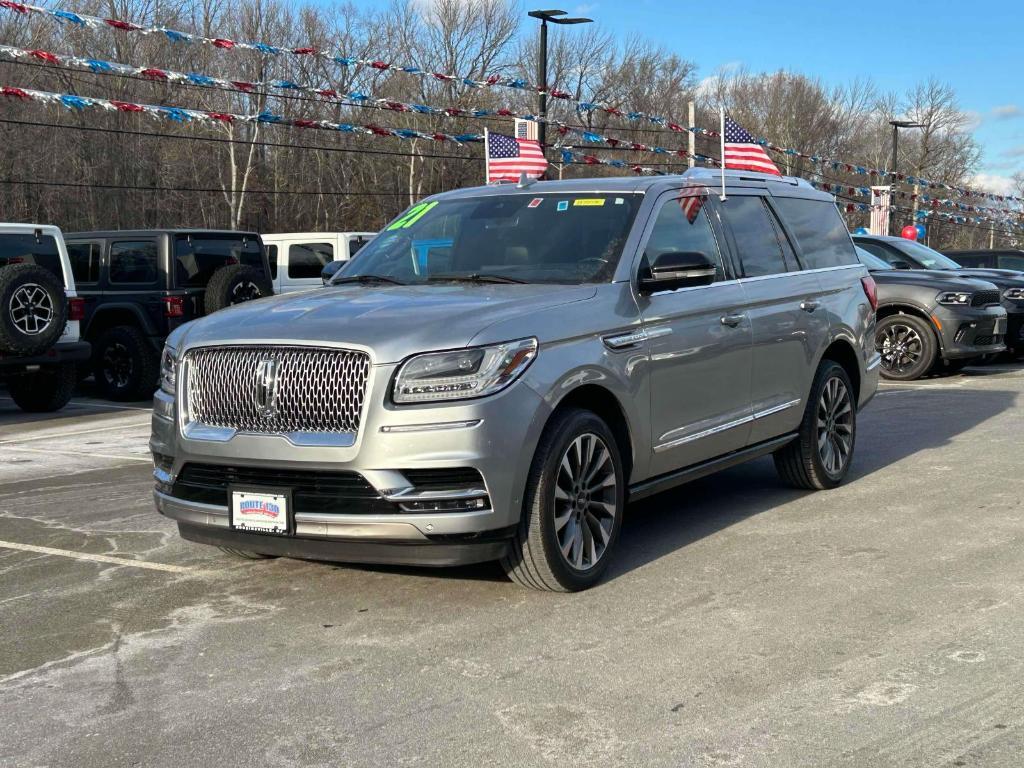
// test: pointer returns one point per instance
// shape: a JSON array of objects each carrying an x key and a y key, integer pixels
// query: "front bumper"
[
  {"x": 495, "y": 436},
  {"x": 970, "y": 332}
]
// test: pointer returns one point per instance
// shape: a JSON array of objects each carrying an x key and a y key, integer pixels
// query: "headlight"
[
  {"x": 168, "y": 370},
  {"x": 954, "y": 298},
  {"x": 1014, "y": 294},
  {"x": 463, "y": 373}
]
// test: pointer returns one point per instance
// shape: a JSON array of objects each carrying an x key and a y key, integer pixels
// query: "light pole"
[
  {"x": 896, "y": 125},
  {"x": 555, "y": 17}
]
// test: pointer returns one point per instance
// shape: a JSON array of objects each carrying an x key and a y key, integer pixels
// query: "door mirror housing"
[
  {"x": 678, "y": 269},
  {"x": 330, "y": 270}
]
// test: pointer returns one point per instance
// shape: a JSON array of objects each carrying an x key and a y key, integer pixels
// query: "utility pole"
[
  {"x": 896, "y": 125},
  {"x": 555, "y": 17}
]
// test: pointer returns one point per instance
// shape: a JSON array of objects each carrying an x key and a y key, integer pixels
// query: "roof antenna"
[{"x": 524, "y": 181}]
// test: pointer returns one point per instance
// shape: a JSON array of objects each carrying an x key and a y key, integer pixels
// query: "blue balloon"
[
  {"x": 920, "y": 231},
  {"x": 861, "y": 231}
]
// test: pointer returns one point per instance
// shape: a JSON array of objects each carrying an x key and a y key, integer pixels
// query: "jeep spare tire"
[
  {"x": 33, "y": 309},
  {"x": 235, "y": 284}
]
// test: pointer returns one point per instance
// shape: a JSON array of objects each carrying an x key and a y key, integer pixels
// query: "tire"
[
  {"x": 907, "y": 345},
  {"x": 125, "y": 365},
  {"x": 46, "y": 390},
  {"x": 235, "y": 284},
  {"x": 245, "y": 554},
  {"x": 535, "y": 558},
  {"x": 33, "y": 309},
  {"x": 804, "y": 463}
]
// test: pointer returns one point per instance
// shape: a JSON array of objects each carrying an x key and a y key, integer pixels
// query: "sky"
[{"x": 977, "y": 47}]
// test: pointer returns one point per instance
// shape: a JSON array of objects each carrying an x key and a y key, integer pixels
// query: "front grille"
[
  {"x": 312, "y": 390},
  {"x": 312, "y": 490},
  {"x": 987, "y": 341},
  {"x": 985, "y": 299}
]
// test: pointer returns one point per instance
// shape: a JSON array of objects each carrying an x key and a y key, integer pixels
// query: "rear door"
[
  {"x": 306, "y": 261},
  {"x": 699, "y": 341},
  {"x": 784, "y": 306},
  {"x": 132, "y": 278},
  {"x": 86, "y": 257}
]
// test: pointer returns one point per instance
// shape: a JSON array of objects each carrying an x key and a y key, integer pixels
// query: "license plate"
[
  {"x": 259, "y": 512},
  {"x": 1000, "y": 329}
]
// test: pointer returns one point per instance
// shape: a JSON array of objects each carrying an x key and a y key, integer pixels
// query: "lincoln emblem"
[{"x": 266, "y": 387}]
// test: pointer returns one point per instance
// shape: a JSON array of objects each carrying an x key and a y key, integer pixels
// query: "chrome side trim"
[
  {"x": 875, "y": 362},
  {"x": 631, "y": 339},
  {"x": 434, "y": 427},
  {"x": 795, "y": 272},
  {"x": 343, "y": 527},
  {"x": 722, "y": 427}
]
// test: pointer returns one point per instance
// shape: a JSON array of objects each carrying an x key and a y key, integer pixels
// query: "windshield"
[
  {"x": 521, "y": 237},
  {"x": 926, "y": 257},
  {"x": 871, "y": 261}
]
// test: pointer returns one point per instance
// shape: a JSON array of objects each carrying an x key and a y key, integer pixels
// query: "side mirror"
[
  {"x": 900, "y": 264},
  {"x": 330, "y": 270},
  {"x": 678, "y": 269}
]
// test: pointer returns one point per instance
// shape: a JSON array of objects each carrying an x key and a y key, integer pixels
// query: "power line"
[{"x": 213, "y": 190}]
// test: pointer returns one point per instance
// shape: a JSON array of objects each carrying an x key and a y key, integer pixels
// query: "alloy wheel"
[
  {"x": 585, "y": 494},
  {"x": 245, "y": 291},
  {"x": 835, "y": 426},
  {"x": 31, "y": 309},
  {"x": 901, "y": 348}
]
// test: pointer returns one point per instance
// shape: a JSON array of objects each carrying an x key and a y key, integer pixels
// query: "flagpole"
[
  {"x": 721, "y": 114},
  {"x": 487, "y": 156}
]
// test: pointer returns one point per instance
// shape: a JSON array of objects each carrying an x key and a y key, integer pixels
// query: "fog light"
[{"x": 446, "y": 505}]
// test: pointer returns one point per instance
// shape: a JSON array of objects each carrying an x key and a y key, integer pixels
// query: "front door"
[{"x": 699, "y": 340}]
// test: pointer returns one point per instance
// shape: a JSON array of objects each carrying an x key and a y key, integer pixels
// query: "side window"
[
  {"x": 308, "y": 259},
  {"x": 355, "y": 243},
  {"x": 820, "y": 231},
  {"x": 757, "y": 239},
  {"x": 133, "y": 262},
  {"x": 682, "y": 225},
  {"x": 889, "y": 257},
  {"x": 85, "y": 262},
  {"x": 1008, "y": 261},
  {"x": 272, "y": 258}
]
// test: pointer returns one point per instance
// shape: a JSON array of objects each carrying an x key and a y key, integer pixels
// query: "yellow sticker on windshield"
[{"x": 586, "y": 201}]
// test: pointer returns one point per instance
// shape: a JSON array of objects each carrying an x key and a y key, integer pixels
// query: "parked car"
[
  {"x": 297, "y": 258},
  {"x": 1008, "y": 258},
  {"x": 930, "y": 319},
  {"x": 567, "y": 346},
  {"x": 908, "y": 254},
  {"x": 39, "y": 318},
  {"x": 140, "y": 285}
]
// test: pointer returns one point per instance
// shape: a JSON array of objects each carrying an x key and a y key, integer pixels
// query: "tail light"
[
  {"x": 870, "y": 290},
  {"x": 76, "y": 308},
  {"x": 174, "y": 306}
]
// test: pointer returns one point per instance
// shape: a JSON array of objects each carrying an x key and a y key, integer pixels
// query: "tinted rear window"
[
  {"x": 26, "y": 249},
  {"x": 85, "y": 261},
  {"x": 198, "y": 256},
  {"x": 758, "y": 242},
  {"x": 820, "y": 231}
]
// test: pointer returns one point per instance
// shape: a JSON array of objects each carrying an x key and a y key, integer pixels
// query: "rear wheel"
[
  {"x": 820, "y": 456},
  {"x": 907, "y": 345},
  {"x": 125, "y": 365},
  {"x": 572, "y": 511},
  {"x": 46, "y": 390}
]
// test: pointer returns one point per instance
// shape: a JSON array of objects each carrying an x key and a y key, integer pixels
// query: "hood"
[
  {"x": 939, "y": 279},
  {"x": 393, "y": 321},
  {"x": 1004, "y": 278}
]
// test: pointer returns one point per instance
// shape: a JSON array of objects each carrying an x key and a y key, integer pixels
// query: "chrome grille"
[{"x": 314, "y": 389}]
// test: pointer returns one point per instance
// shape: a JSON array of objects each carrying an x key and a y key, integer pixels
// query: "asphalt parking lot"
[{"x": 743, "y": 624}]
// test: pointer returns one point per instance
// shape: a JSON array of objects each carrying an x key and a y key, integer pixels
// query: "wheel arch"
[
  {"x": 602, "y": 402},
  {"x": 110, "y": 315},
  {"x": 841, "y": 351},
  {"x": 903, "y": 308}
]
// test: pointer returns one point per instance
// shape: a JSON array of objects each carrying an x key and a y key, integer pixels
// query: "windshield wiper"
[
  {"x": 474, "y": 278},
  {"x": 367, "y": 280}
]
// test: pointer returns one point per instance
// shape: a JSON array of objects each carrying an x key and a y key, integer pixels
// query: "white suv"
[
  {"x": 39, "y": 315},
  {"x": 297, "y": 259}
]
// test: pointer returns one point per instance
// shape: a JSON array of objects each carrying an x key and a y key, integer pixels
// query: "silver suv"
[{"x": 503, "y": 368}]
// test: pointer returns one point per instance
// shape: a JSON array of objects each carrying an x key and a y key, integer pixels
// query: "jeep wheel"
[
  {"x": 46, "y": 390},
  {"x": 234, "y": 284},
  {"x": 572, "y": 510},
  {"x": 820, "y": 456},
  {"x": 907, "y": 345},
  {"x": 125, "y": 365},
  {"x": 33, "y": 309}
]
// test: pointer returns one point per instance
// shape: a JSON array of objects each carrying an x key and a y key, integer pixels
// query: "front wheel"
[
  {"x": 907, "y": 345},
  {"x": 820, "y": 456},
  {"x": 572, "y": 510}
]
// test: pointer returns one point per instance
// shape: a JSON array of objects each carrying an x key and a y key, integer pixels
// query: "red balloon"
[{"x": 910, "y": 232}]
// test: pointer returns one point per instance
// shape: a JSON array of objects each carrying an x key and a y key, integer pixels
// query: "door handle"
[
  {"x": 809, "y": 306},
  {"x": 732, "y": 320}
]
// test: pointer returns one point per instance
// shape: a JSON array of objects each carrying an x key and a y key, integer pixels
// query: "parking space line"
[
  {"x": 92, "y": 455},
  {"x": 98, "y": 558},
  {"x": 52, "y": 436}
]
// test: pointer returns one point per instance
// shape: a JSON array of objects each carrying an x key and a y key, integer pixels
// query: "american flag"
[
  {"x": 742, "y": 152},
  {"x": 508, "y": 157},
  {"x": 691, "y": 206}
]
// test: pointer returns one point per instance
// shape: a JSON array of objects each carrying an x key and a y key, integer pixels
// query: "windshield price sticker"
[
  {"x": 535, "y": 203},
  {"x": 563, "y": 205},
  {"x": 588, "y": 201}
]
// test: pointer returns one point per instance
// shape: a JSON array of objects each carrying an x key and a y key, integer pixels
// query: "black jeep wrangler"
[{"x": 139, "y": 285}]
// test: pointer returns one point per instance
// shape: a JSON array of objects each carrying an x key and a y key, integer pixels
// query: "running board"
[{"x": 661, "y": 483}]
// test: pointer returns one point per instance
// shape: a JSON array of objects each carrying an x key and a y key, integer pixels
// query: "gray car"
[{"x": 502, "y": 368}]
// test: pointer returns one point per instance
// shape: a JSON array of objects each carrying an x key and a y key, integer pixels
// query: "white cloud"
[
  {"x": 1007, "y": 112},
  {"x": 993, "y": 182}
]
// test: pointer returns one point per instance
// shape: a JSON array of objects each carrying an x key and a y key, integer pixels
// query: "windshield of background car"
[
  {"x": 926, "y": 257},
  {"x": 198, "y": 256},
  {"x": 871, "y": 261},
  {"x": 26, "y": 249},
  {"x": 533, "y": 238}
]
